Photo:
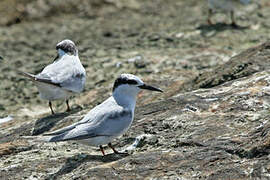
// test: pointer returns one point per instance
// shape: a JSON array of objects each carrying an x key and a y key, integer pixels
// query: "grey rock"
[
  {"x": 248, "y": 62},
  {"x": 216, "y": 133},
  {"x": 212, "y": 122}
]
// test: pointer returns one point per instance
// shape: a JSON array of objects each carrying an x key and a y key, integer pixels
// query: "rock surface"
[
  {"x": 212, "y": 121},
  {"x": 216, "y": 133}
]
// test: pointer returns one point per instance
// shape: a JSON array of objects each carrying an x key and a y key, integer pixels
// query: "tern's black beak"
[{"x": 151, "y": 88}]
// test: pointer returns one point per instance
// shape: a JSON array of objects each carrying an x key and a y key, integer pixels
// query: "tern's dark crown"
[
  {"x": 66, "y": 46},
  {"x": 123, "y": 80}
]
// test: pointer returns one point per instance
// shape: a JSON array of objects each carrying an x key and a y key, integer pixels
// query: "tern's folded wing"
[
  {"x": 62, "y": 130},
  {"x": 72, "y": 135},
  {"x": 75, "y": 82},
  {"x": 113, "y": 124},
  {"x": 39, "y": 79},
  {"x": 67, "y": 72},
  {"x": 96, "y": 114}
]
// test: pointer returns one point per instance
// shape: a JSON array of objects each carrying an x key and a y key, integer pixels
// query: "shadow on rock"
[
  {"x": 46, "y": 123},
  {"x": 76, "y": 160},
  {"x": 213, "y": 29}
]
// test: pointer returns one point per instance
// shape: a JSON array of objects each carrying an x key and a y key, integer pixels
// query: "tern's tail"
[
  {"x": 35, "y": 78},
  {"x": 28, "y": 75}
]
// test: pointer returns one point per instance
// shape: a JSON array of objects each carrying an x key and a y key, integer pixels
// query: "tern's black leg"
[
  {"x": 68, "y": 108},
  {"x": 210, "y": 13},
  {"x": 50, "y": 104},
  {"x": 233, "y": 20},
  {"x": 102, "y": 150}
]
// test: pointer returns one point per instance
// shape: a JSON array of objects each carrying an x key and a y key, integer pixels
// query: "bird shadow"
[
  {"x": 219, "y": 27},
  {"x": 46, "y": 123},
  {"x": 76, "y": 160}
]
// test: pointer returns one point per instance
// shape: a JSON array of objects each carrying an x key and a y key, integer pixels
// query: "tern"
[
  {"x": 63, "y": 78},
  {"x": 109, "y": 119}
]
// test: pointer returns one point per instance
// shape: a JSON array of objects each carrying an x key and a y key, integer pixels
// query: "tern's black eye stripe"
[
  {"x": 131, "y": 82},
  {"x": 121, "y": 80}
]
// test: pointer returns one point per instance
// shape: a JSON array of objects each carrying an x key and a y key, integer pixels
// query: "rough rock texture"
[
  {"x": 253, "y": 60},
  {"x": 217, "y": 133},
  {"x": 212, "y": 121}
]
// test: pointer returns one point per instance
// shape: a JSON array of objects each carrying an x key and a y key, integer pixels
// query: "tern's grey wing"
[
  {"x": 113, "y": 124},
  {"x": 75, "y": 82},
  {"x": 67, "y": 72},
  {"x": 62, "y": 130},
  {"x": 35, "y": 78},
  {"x": 96, "y": 114}
]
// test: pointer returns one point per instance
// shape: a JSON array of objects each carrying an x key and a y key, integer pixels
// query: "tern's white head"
[
  {"x": 66, "y": 47},
  {"x": 127, "y": 86}
]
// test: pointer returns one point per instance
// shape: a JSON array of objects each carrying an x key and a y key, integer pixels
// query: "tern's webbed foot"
[{"x": 115, "y": 151}]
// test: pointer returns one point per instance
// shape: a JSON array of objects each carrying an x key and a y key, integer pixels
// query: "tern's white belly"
[
  {"x": 50, "y": 92},
  {"x": 97, "y": 141}
]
